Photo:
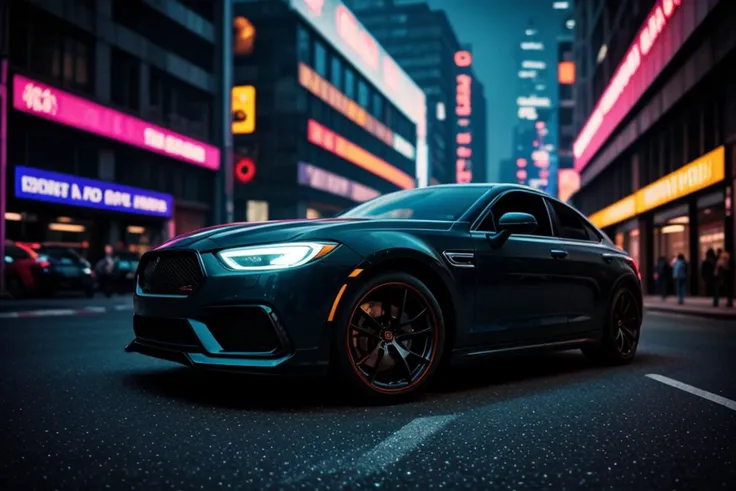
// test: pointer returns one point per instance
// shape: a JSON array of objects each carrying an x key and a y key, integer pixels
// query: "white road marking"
[
  {"x": 400, "y": 444},
  {"x": 694, "y": 390},
  {"x": 95, "y": 309},
  {"x": 389, "y": 451},
  {"x": 123, "y": 307}
]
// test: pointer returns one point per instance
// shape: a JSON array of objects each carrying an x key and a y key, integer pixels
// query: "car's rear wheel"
[
  {"x": 389, "y": 337},
  {"x": 621, "y": 331}
]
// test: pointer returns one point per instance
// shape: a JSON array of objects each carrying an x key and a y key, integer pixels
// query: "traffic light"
[{"x": 244, "y": 109}]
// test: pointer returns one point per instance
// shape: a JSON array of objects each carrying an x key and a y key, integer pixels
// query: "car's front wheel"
[
  {"x": 389, "y": 337},
  {"x": 621, "y": 331}
]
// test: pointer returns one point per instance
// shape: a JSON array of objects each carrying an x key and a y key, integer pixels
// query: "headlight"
[{"x": 275, "y": 256}]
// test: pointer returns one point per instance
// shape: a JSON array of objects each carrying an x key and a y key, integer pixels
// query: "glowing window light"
[
  {"x": 532, "y": 46},
  {"x": 336, "y": 144},
  {"x": 533, "y": 65}
]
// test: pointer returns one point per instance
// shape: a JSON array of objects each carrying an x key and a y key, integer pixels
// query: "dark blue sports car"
[{"x": 387, "y": 292}]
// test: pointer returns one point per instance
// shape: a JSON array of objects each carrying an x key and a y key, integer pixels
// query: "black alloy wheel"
[
  {"x": 391, "y": 336},
  {"x": 621, "y": 333}
]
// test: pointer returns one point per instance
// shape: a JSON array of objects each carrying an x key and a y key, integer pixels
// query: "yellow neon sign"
[
  {"x": 698, "y": 174},
  {"x": 243, "y": 109}
]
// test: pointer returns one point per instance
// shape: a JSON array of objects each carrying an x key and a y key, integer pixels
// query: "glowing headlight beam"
[{"x": 275, "y": 256}]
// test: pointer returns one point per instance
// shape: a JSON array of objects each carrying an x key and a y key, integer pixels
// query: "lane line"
[
  {"x": 694, "y": 390},
  {"x": 391, "y": 450},
  {"x": 400, "y": 444}
]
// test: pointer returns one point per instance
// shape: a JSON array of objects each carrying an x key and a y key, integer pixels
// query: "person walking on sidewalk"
[
  {"x": 708, "y": 273},
  {"x": 679, "y": 274},
  {"x": 660, "y": 276},
  {"x": 724, "y": 273}
]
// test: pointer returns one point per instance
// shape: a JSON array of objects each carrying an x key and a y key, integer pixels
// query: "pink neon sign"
[
  {"x": 61, "y": 107},
  {"x": 618, "y": 98}
]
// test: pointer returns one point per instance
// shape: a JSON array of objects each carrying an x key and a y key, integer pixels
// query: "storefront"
[
  {"x": 86, "y": 214},
  {"x": 684, "y": 212}
]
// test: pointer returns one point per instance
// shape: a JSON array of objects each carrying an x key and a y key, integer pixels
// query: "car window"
[
  {"x": 570, "y": 225},
  {"x": 520, "y": 202},
  {"x": 432, "y": 203},
  {"x": 63, "y": 255},
  {"x": 16, "y": 252}
]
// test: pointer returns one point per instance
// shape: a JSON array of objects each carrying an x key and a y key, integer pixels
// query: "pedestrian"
[
  {"x": 679, "y": 274},
  {"x": 660, "y": 276},
  {"x": 105, "y": 268},
  {"x": 708, "y": 273},
  {"x": 724, "y": 273}
]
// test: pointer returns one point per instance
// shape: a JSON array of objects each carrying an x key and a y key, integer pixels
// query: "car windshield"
[
  {"x": 63, "y": 255},
  {"x": 434, "y": 203}
]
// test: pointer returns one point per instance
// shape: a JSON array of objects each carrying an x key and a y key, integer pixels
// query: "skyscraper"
[
  {"x": 423, "y": 43},
  {"x": 533, "y": 137}
]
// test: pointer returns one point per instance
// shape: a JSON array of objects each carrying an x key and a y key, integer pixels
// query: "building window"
[
  {"x": 125, "y": 80},
  {"x": 302, "y": 45},
  {"x": 349, "y": 83},
  {"x": 336, "y": 73},
  {"x": 363, "y": 94},
  {"x": 320, "y": 58}
]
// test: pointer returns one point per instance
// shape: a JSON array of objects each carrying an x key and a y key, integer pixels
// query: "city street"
[{"x": 79, "y": 413}]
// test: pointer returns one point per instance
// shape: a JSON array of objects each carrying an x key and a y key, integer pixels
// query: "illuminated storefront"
[
  {"x": 683, "y": 212},
  {"x": 351, "y": 128},
  {"x": 656, "y": 151},
  {"x": 87, "y": 175}
]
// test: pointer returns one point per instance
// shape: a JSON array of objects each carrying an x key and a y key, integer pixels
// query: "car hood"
[{"x": 254, "y": 233}]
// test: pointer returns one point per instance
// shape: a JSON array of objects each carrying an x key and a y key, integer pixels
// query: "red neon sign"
[
  {"x": 464, "y": 109},
  {"x": 463, "y": 59},
  {"x": 462, "y": 96},
  {"x": 356, "y": 37},
  {"x": 609, "y": 111},
  {"x": 245, "y": 170}
]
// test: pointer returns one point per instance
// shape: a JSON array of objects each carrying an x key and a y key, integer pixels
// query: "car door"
[
  {"x": 519, "y": 296},
  {"x": 588, "y": 271}
]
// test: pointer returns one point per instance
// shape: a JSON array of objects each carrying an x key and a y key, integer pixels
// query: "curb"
[
  {"x": 64, "y": 312},
  {"x": 693, "y": 313}
]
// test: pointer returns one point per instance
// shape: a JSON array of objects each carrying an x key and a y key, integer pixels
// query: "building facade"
[
  {"x": 111, "y": 109},
  {"x": 656, "y": 112},
  {"x": 480, "y": 130},
  {"x": 534, "y": 134},
  {"x": 423, "y": 43},
  {"x": 336, "y": 121},
  {"x": 568, "y": 179}
]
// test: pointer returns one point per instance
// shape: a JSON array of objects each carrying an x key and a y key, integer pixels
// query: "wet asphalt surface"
[{"x": 76, "y": 412}]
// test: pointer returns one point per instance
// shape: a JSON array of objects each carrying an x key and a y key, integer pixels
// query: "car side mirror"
[{"x": 518, "y": 223}]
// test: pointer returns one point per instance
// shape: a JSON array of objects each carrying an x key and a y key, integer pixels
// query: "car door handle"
[
  {"x": 608, "y": 257},
  {"x": 558, "y": 253}
]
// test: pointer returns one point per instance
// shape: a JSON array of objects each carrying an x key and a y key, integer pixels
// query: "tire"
[
  {"x": 401, "y": 339},
  {"x": 621, "y": 331},
  {"x": 16, "y": 289}
]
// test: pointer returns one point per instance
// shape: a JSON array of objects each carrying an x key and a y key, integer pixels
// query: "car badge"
[{"x": 186, "y": 288}]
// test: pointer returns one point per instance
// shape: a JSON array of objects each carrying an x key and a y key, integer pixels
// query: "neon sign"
[
  {"x": 317, "y": 178},
  {"x": 61, "y": 107},
  {"x": 245, "y": 170},
  {"x": 609, "y": 111},
  {"x": 345, "y": 149},
  {"x": 463, "y": 109},
  {"x": 356, "y": 37}
]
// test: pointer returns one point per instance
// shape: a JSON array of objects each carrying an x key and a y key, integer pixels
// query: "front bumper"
[{"x": 256, "y": 322}]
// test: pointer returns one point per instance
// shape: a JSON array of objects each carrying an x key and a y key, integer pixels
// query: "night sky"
[{"x": 495, "y": 28}]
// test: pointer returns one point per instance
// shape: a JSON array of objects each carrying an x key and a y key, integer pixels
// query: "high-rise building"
[
  {"x": 568, "y": 180},
  {"x": 480, "y": 128},
  {"x": 111, "y": 131},
  {"x": 324, "y": 117},
  {"x": 534, "y": 150},
  {"x": 423, "y": 43},
  {"x": 656, "y": 119}
]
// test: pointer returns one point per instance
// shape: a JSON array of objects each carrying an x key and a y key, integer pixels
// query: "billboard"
[
  {"x": 65, "y": 189},
  {"x": 333, "y": 20},
  {"x": 44, "y": 101}
]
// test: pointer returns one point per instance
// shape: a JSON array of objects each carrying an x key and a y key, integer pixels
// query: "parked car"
[{"x": 125, "y": 267}]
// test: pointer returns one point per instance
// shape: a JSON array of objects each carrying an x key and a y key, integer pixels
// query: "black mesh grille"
[
  {"x": 161, "y": 330},
  {"x": 169, "y": 273},
  {"x": 244, "y": 329}
]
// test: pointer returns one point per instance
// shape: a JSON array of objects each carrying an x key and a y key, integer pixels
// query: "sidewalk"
[
  {"x": 698, "y": 306},
  {"x": 64, "y": 306}
]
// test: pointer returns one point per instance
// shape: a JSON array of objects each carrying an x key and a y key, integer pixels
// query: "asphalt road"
[{"x": 77, "y": 412}]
